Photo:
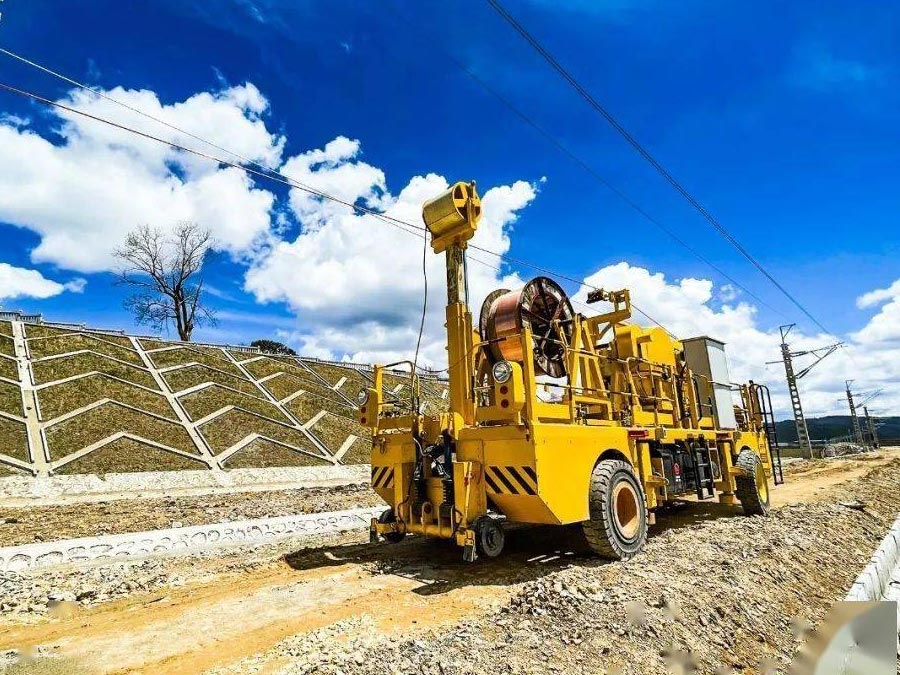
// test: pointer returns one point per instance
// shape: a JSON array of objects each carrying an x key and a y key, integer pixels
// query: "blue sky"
[{"x": 780, "y": 117}]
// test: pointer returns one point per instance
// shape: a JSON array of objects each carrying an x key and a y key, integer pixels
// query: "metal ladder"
[
  {"x": 764, "y": 398},
  {"x": 703, "y": 471}
]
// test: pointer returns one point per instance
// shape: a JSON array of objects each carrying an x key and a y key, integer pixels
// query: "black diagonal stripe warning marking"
[
  {"x": 528, "y": 487},
  {"x": 506, "y": 481},
  {"x": 390, "y": 480},
  {"x": 531, "y": 474},
  {"x": 378, "y": 474},
  {"x": 491, "y": 484},
  {"x": 386, "y": 477}
]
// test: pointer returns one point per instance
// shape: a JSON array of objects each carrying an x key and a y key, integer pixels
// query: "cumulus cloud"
[
  {"x": 356, "y": 282},
  {"x": 83, "y": 194},
  {"x": 871, "y": 356},
  {"x": 18, "y": 282},
  {"x": 883, "y": 329}
]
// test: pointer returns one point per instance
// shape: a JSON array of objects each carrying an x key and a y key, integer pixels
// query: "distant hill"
[{"x": 834, "y": 426}]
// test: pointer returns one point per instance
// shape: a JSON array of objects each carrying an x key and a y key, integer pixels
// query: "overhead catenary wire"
[
  {"x": 270, "y": 174},
  {"x": 559, "y": 145},
  {"x": 702, "y": 210}
]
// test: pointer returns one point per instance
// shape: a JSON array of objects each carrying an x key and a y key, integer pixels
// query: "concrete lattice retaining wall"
[
  {"x": 181, "y": 541},
  {"x": 80, "y": 401}
]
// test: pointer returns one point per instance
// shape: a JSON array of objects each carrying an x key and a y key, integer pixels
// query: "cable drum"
[{"x": 541, "y": 305}]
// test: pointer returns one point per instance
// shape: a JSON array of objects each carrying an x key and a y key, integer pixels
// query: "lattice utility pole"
[
  {"x": 857, "y": 429},
  {"x": 873, "y": 434},
  {"x": 787, "y": 357}
]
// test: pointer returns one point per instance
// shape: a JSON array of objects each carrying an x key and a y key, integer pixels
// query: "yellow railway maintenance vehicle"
[{"x": 642, "y": 420}]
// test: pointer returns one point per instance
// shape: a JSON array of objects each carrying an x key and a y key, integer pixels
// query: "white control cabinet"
[{"x": 706, "y": 358}]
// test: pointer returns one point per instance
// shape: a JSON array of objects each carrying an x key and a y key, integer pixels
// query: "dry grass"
[
  {"x": 7, "y": 470},
  {"x": 63, "y": 398},
  {"x": 13, "y": 439},
  {"x": 7, "y": 345},
  {"x": 10, "y": 399},
  {"x": 191, "y": 376},
  {"x": 355, "y": 379},
  {"x": 88, "y": 428},
  {"x": 359, "y": 453},
  {"x": 262, "y": 453},
  {"x": 6, "y": 328},
  {"x": 148, "y": 343},
  {"x": 273, "y": 364},
  {"x": 333, "y": 430},
  {"x": 205, "y": 355},
  {"x": 35, "y": 330},
  {"x": 69, "y": 343},
  {"x": 225, "y": 431},
  {"x": 308, "y": 404},
  {"x": 286, "y": 384},
  {"x": 57, "y": 369},
  {"x": 202, "y": 403},
  {"x": 8, "y": 369},
  {"x": 125, "y": 456}
]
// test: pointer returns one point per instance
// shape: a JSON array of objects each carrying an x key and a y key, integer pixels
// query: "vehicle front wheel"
[
  {"x": 753, "y": 486},
  {"x": 617, "y": 528}
]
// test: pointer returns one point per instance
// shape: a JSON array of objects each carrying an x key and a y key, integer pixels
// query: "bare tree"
[{"x": 165, "y": 268}]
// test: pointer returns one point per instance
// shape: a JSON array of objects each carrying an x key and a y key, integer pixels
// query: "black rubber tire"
[
  {"x": 489, "y": 537},
  {"x": 387, "y": 516},
  {"x": 748, "y": 492},
  {"x": 603, "y": 532}
]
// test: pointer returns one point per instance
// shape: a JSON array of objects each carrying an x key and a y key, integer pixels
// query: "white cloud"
[
  {"x": 883, "y": 330},
  {"x": 355, "y": 281},
  {"x": 18, "y": 282},
  {"x": 871, "y": 356},
  {"x": 83, "y": 195}
]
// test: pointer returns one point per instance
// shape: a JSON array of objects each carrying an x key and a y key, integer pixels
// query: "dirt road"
[{"x": 335, "y": 608}]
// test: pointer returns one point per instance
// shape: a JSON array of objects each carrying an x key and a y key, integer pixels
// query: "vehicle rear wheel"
[
  {"x": 753, "y": 486},
  {"x": 489, "y": 537},
  {"x": 388, "y": 516},
  {"x": 617, "y": 528}
]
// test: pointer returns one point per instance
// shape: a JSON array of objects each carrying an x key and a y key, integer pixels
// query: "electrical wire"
[
  {"x": 586, "y": 95},
  {"x": 424, "y": 302},
  {"x": 410, "y": 228},
  {"x": 559, "y": 145}
]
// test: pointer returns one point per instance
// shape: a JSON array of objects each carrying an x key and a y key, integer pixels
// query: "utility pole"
[
  {"x": 857, "y": 429},
  {"x": 873, "y": 435},
  {"x": 787, "y": 356}
]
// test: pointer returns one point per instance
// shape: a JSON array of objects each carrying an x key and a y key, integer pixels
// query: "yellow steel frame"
[{"x": 530, "y": 458}]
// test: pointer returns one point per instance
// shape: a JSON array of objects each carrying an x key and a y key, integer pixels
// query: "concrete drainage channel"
[
  {"x": 181, "y": 540},
  {"x": 880, "y": 580}
]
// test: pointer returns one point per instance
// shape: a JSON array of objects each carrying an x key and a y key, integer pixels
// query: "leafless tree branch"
[{"x": 165, "y": 269}]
